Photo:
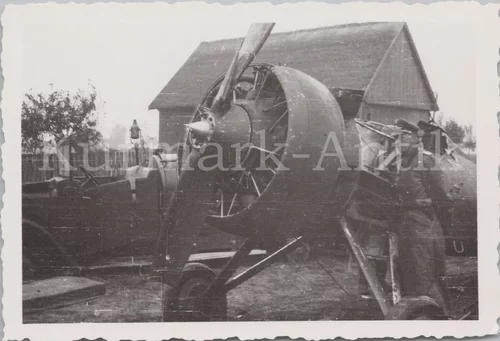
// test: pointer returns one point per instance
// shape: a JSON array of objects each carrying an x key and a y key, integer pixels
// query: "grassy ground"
[{"x": 285, "y": 291}]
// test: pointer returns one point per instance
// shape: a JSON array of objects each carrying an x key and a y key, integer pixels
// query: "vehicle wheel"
[
  {"x": 416, "y": 308},
  {"x": 29, "y": 269},
  {"x": 189, "y": 304},
  {"x": 203, "y": 308},
  {"x": 300, "y": 254}
]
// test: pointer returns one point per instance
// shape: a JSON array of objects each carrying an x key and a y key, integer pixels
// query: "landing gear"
[
  {"x": 188, "y": 301},
  {"x": 299, "y": 255},
  {"x": 393, "y": 306},
  {"x": 200, "y": 295},
  {"x": 416, "y": 308},
  {"x": 213, "y": 308}
]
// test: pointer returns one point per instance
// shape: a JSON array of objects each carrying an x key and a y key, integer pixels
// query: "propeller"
[
  {"x": 251, "y": 45},
  {"x": 190, "y": 202}
]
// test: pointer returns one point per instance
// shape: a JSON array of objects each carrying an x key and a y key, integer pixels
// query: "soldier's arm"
[{"x": 434, "y": 178}]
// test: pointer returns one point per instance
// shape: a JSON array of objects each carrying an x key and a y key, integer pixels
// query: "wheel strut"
[
  {"x": 223, "y": 282},
  {"x": 232, "y": 265},
  {"x": 263, "y": 264}
]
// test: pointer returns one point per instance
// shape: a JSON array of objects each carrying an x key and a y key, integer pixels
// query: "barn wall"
[
  {"x": 388, "y": 114},
  {"x": 172, "y": 125},
  {"x": 400, "y": 80}
]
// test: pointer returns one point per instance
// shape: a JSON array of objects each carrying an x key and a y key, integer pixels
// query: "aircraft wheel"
[
  {"x": 416, "y": 308},
  {"x": 188, "y": 303},
  {"x": 300, "y": 255},
  {"x": 202, "y": 308}
]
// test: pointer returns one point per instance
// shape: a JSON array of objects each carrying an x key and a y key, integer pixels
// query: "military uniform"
[
  {"x": 421, "y": 249},
  {"x": 422, "y": 192}
]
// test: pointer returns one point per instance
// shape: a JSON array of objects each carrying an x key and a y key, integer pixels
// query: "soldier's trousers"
[{"x": 421, "y": 255}]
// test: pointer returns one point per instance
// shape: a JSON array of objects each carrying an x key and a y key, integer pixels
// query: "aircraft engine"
[
  {"x": 260, "y": 158},
  {"x": 276, "y": 137}
]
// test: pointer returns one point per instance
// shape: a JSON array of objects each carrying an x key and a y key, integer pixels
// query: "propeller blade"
[
  {"x": 187, "y": 211},
  {"x": 256, "y": 37},
  {"x": 251, "y": 45}
]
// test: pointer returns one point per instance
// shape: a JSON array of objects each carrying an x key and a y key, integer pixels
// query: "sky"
[{"x": 130, "y": 52}]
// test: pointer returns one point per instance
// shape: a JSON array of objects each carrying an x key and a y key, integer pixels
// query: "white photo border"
[{"x": 488, "y": 104}]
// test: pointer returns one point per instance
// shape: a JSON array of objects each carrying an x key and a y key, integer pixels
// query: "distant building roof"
[{"x": 345, "y": 57}]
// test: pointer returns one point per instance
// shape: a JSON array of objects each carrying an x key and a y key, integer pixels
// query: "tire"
[
  {"x": 416, "y": 308},
  {"x": 40, "y": 247},
  {"x": 204, "y": 309},
  {"x": 187, "y": 305},
  {"x": 300, "y": 255},
  {"x": 29, "y": 269}
]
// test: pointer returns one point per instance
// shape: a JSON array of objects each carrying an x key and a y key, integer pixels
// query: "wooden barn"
[{"x": 373, "y": 69}]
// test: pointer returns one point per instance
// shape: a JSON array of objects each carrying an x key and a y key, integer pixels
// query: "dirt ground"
[{"x": 284, "y": 291}]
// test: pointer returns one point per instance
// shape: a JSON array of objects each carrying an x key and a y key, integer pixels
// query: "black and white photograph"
[{"x": 194, "y": 170}]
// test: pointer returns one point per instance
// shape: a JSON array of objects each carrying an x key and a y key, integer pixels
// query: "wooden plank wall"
[
  {"x": 400, "y": 80},
  {"x": 172, "y": 128}
]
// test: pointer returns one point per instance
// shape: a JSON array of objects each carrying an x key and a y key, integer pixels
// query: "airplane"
[{"x": 266, "y": 158}]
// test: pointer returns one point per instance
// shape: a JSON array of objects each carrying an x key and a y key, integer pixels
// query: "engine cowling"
[{"x": 293, "y": 126}]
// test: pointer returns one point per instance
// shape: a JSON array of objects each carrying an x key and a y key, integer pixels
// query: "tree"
[
  {"x": 470, "y": 139},
  {"x": 455, "y": 131},
  {"x": 57, "y": 116},
  {"x": 461, "y": 135}
]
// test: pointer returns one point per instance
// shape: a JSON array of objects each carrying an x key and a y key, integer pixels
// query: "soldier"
[{"x": 421, "y": 239}]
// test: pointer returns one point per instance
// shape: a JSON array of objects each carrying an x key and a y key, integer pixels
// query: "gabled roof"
[{"x": 345, "y": 56}]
